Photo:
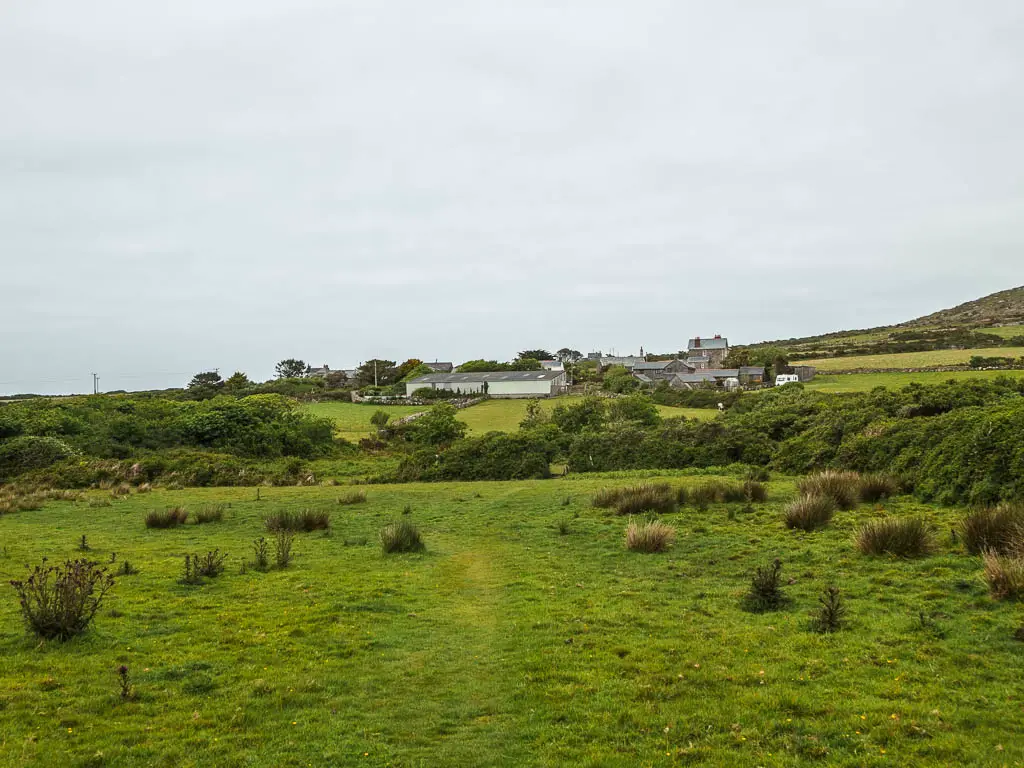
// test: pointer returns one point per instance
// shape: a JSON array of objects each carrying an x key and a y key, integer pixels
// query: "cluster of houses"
[{"x": 700, "y": 368}]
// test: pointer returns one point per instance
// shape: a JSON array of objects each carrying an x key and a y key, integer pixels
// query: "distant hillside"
[
  {"x": 986, "y": 323},
  {"x": 1003, "y": 308}
]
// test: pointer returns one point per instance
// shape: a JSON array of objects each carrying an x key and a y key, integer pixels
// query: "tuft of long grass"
[
  {"x": 809, "y": 512},
  {"x": 649, "y": 536},
  {"x": 842, "y": 487},
  {"x": 755, "y": 491},
  {"x": 352, "y": 497},
  {"x": 401, "y": 536},
  {"x": 998, "y": 529},
  {"x": 1004, "y": 574},
  {"x": 723, "y": 491},
  {"x": 637, "y": 499},
  {"x": 166, "y": 518},
  {"x": 877, "y": 486},
  {"x": 305, "y": 521},
  {"x": 900, "y": 536},
  {"x": 212, "y": 513}
]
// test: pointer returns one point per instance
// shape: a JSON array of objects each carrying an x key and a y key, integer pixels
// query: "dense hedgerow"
[
  {"x": 494, "y": 456},
  {"x": 903, "y": 537}
]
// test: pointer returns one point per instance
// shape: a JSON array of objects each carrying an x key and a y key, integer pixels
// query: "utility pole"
[
  {"x": 375, "y": 373},
  {"x": 95, "y": 384}
]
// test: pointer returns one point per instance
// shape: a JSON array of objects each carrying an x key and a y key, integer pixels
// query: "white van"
[{"x": 786, "y": 378}]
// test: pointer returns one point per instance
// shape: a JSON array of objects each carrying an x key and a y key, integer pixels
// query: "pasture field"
[
  {"x": 1004, "y": 331},
  {"x": 865, "y": 382},
  {"x": 507, "y": 643},
  {"x": 353, "y": 420},
  {"x": 910, "y": 359}
]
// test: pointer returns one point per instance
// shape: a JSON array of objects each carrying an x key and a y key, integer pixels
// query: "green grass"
[
  {"x": 865, "y": 382},
  {"x": 507, "y": 643},
  {"x": 937, "y": 357},
  {"x": 353, "y": 419}
]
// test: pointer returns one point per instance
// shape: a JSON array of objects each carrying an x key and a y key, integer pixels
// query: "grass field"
[
  {"x": 1004, "y": 331},
  {"x": 865, "y": 382},
  {"x": 911, "y": 359},
  {"x": 492, "y": 415},
  {"x": 507, "y": 643}
]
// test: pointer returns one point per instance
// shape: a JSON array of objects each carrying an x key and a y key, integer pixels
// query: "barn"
[{"x": 495, "y": 384}]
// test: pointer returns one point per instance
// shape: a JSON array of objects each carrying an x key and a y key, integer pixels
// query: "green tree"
[
  {"x": 236, "y": 382},
  {"x": 336, "y": 380},
  {"x": 409, "y": 365},
  {"x": 206, "y": 379},
  {"x": 524, "y": 364},
  {"x": 380, "y": 418},
  {"x": 420, "y": 370},
  {"x": 588, "y": 413},
  {"x": 635, "y": 408},
  {"x": 481, "y": 366},
  {"x": 535, "y": 354},
  {"x": 535, "y": 416},
  {"x": 737, "y": 358},
  {"x": 567, "y": 355},
  {"x": 376, "y": 372},
  {"x": 437, "y": 427},
  {"x": 618, "y": 379},
  {"x": 290, "y": 368}
]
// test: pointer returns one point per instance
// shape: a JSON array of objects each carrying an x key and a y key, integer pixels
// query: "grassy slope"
[
  {"x": 911, "y": 359},
  {"x": 865, "y": 382},
  {"x": 507, "y": 644},
  {"x": 352, "y": 420}
]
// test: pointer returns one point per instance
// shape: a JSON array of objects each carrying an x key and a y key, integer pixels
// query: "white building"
[{"x": 495, "y": 384}]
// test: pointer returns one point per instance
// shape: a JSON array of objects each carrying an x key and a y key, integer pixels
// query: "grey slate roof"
[
  {"x": 440, "y": 367},
  {"x": 473, "y": 378},
  {"x": 708, "y": 344},
  {"x": 694, "y": 378},
  {"x": 657, "y": 365},
  {"x": 751, "y": 370}
]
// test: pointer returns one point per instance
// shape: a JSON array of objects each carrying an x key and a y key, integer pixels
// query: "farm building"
[
  {"x": 496, "y": 384},
  {"x": 440, "y": 367},
  {"x": 552, "y": 365},
  {"x": 709, "y": 377},
  {"x": 716, "y": 349},
  {"x": 661, "y": 369},
  {"x": 804, "y": 372},
  {"x": 627, "y": 362}
]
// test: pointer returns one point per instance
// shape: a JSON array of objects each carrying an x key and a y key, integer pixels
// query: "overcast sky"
[{"x": 224, "y": 183}]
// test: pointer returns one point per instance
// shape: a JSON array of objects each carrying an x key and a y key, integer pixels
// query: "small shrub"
[
  {"x": 637, "y": 499},
  {"x": 831, "y": 611},
  {"x": 60, "y": 601},
  {"x": 283, "y": 548},
  {"x": 83, "y": 544},
  {"x": 809, "y": 512},
  {"x": 127, "y": 569},
  {"x": 649, "y": 536},
  {"x": 211, "y": 564},
  {"x": 407, "y": 509},
  {"x": 754, "y": 491},
  {"x": 1004, "y": 574},
  {"x": 766, "y": 588},
  {"x": 213, "y": 513},
  {"x": 401, "y": 536},
  {"x": 125, "y": 683},
  {"x": 878, "y": 486},
  {"x": 352, "y": 497},
  {"x": 305, "y": 521},
  {"x": 261, "y": 555},
  {"x": 171, "y": 517},
  {"x": 903, "y": 537},
  {"x": 563, "y": 528},
  {"x": 191, "y": 574},
  {"x": 999, "y": 529},
  {"x": 842, "y": 487}
]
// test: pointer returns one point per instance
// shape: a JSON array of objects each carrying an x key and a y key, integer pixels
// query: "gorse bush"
[
  {"x": 60, "y": 601},
  {"x": 999, "y": 529},
  {"x": 305, "y": 521},
  {"x": 213, "y": 513},
  {"x": 831, "y": 611},
  {"x": 842, "y": 487},
  {"x": 809, "y": 512},
  {"x": 353, "y": 497},
  {"x": 401, "y": 536},
  {"x": 877, "y": 486},
  {"x": 766, "y": 588},
  {"x": 637, "y": 499},
  {"x": 1004, "y": 574},
  {"x": 903, "y": 537},
  {"x": 166, "y": 518},
  {"x": 649, "y": 536}
]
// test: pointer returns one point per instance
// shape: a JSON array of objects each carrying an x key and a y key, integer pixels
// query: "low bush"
[
  {"x": 401, "y": 536},
  {"x": 903, "y": 537},
  {"x": 997, "y": 529},
  {"x": 209, "y": 514},
  {"x": 649, "y": 536},
  {"x": 353, "y": 497},
  {"x": 877, "y": 486},
  {"x": 809, "y": 512},
  {"x": 212, "y": 563},
  {"x": 766, "y": 588},
  {"x": 842, "y": 487},
  {"x": 283, "y": 548},
  {"x": 831, "y": 611},
  {"x": 261, "y": 557},
  {"x": 60, "y": 601},
  {"x": 1004, "y": 574},
  {"x": 305, "y": 521},
  {"x": 166, "y": 518},
  {"x": 127, "y": 569}
]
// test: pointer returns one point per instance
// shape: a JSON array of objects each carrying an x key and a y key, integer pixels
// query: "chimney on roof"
[
  {"x": 718, "y": 335},
  {"x": 696, "y": 342}
]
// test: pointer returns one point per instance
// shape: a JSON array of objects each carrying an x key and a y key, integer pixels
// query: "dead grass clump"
[
  {"x": 842, "y": 487},
  {"x": 649, "y": 536},
  {"x": 877, "y": 486},
  {"x": 171, "y": 517},
  {"x": 637, "y": 499},
  {"x": 998, "y": 529},
  {"x": 1004, "y": 574},
  {"x": 809, "y": 512},
  {"x": 900, "y": 536},
  {"x": 305, "y": 521},
  {"x": 211, "y": 513}
]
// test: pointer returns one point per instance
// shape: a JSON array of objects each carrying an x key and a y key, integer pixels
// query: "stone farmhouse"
[
  {"x": 504, "y": 384},
  {"x": 707, "y": 353}
]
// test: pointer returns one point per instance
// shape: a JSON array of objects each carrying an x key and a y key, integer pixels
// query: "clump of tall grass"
[
  {"x": 755, "y": 491},
  {"x": 725, "y": 491},
  {"x": 649, "y": 536},
  {"x": 637, "y": 499},
  {"x": 809, "y": 512},
  {"x": 212, "y": 513},
  {"x": 1004, "y": 574},
  {"x": 401, "y": 536},
  {"x": 122, "y": 489},
  {"x": 305, "y": 521},
  {"x": 877, "y": 486},
  {"x": 998, "y": 529},
  {"x": 352, "y": 497},
  {"x": 166, "y": 518},
  {"x": 842, "y": 487},
  {"x": 900, "y": 536}
]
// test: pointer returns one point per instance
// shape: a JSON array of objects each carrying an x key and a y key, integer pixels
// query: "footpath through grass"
[{"x": 507, "y": 643}]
